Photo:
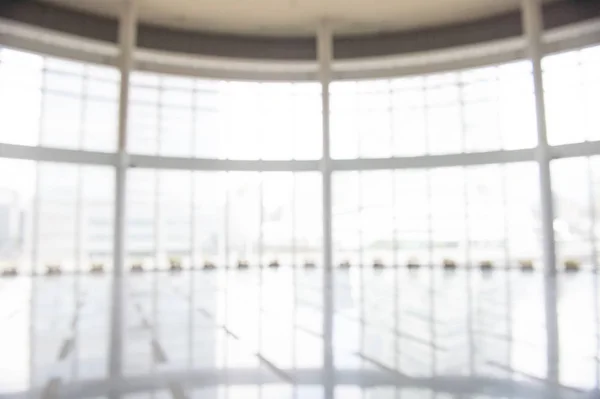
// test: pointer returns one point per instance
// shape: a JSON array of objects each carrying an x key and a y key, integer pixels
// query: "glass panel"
[
  {"x": 20, "y": 97},
  {"x": 481, "y": 115},
  {"x": 244, "y": 217},
  {"x": 100, "y": 125},
  {"x": 57, "y": 103},
  {"x": 209, "y": 217},
  {"x": 63, "y": 83},
  {"x": 307, "y": 122},
  {"x": 143, "y": 129},
  {"x": 58, "y": 217},
  {"x": 343, "y": 119},
  {"x": 61, "y": 121},
  {"x": 516, "y": 105},
  {"x": 377, "y": 230},
  {"x": 590, "y": 60},
  {"x": 523, "y": 213},
  {"x": 140, "y": 227},
  {"x": 486, "y": 215},
  {"x": 209, "y": 136},
  {"x": 240, "y": 115},
  {"x": 346, "y": 217},
  {"x": 309, "y": 218},
  {"x": 278, "y": 218},
  {"x": 374, "y": 119},
  {"x": 448, "y": 215},
  {"x": 410, "y": 128},
  {"x": 96, "y": 231},
  {"x": 563, "y": 96},
  {"x": 412, "y": 214},
  {"x": 595, "y": 169},
  {"x": 176, "y": 129},
  {"x": 174, "y": 218},
  {"x": 17, "y": 196},
  {"x": 572, "y": 219},
  {"x": 276, "y": 101},
  {"x": 444, "y": 130}
]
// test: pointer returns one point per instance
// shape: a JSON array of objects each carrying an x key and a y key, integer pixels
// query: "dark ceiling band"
[{"x": 96, "y": 27}]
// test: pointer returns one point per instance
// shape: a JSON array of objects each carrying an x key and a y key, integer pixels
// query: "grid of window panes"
[
  {"x": 223, "y": 217},
  {"x": 576, "y": 186},
  {"x": 465, "y": 214},
  {"x": 53, "y": 102},
  {"x": 56, "y": 214},
  {"x": 189, "y": 117},
  {"x": 475, "y": 110},
  {"x": 572, "y": 94},
  {"x": 58, "y": 103},
  {"x": 68, "y": 104}
]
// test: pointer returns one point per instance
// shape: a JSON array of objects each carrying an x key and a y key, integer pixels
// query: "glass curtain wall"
[
  {"x": 572, "y": 92},
  {"x": 57, "y": 103},
  {"x": 467, "y": 214},
  {"x": 576, "y": 184},
  {"x": 223, "y": 218},
  {"x": 476, "y": 110},
  {"x": 187, "y": 117}
]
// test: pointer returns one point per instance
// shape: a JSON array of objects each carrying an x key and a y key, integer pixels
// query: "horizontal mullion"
[
  {"x": 436, "y": 161},
  {"x": 47, "y": 154}
]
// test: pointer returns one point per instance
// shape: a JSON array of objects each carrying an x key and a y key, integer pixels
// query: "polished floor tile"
[{"x": 376, "y": 334}]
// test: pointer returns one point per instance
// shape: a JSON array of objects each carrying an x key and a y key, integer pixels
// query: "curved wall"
[{"x": 228, "y": 170}]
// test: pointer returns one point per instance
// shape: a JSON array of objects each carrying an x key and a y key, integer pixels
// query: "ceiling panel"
[{"x": 301, "y": 17}]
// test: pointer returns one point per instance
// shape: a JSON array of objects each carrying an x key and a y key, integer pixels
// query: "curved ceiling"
[
  {"x": 67, "y": 17},
  {"x": 301, "y": 17}
]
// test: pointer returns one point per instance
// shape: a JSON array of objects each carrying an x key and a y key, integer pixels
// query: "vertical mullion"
[
  {"x": 79, "y": 242},
  {"x": 228, "y": 181},
  {"x": 467, "y": 227},
  {"x": 428, "y": 178},
  {"x": 393, "y": 177},
  {"x": 357, "y": 111},
  {"x": 325, "y": 58},
  {"x": 593, "y": 216},
  {"x": 157, "y": 221},
  {"x": 127, "y": 44},
  {"x": 533, "y": 28},
  {"x": 261, "y": 217},
  {"x": 193, "y": 253},
  {"x": 37, "y": 201}
]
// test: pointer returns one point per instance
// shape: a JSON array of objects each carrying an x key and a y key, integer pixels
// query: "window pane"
[
  {"x": 174, "y": 218},
  {"x": 412, "y": 213},
  {"x": 244, "y": 217},
  {"x": 444, "y": 130},
  {"x": 141, "y": 225},
  {"x": 17, "y": 195},
  {"x": 97, "y": 215},
  {"x": 486, "y": 215},
  {"x": 523, "y": 212},
  {"x": 309, "y": 218},
  {"x": 209, "y": 217},
  {"x": 57, "y": 231},
  {"x": 448, "y": 215},
  {"x": 278, "y": 218},
  {"x": 572, "y": 219},
  {"x": 20, "y": 97},
  {"x": 61, "y": 121}
]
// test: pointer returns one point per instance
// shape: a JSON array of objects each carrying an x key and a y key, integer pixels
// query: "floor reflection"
[{"x": 261, "y": 334}]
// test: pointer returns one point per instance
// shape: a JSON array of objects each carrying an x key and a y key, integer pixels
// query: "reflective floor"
[{"x": 278, "y": 334}]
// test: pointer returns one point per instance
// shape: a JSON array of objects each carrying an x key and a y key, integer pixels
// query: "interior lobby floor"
[{"x": 274, "y": 334}]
